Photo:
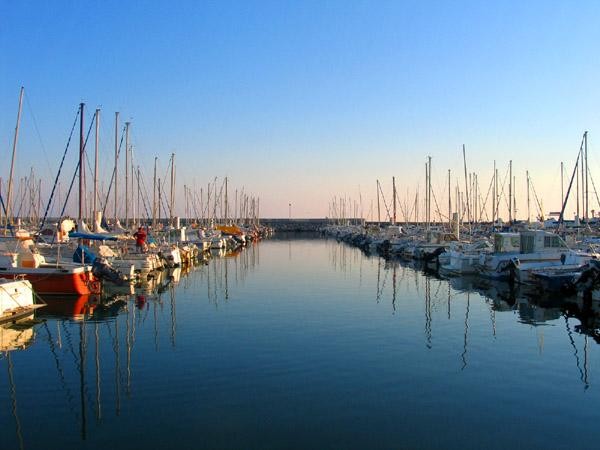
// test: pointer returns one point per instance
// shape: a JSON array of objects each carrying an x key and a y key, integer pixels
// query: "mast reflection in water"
[{"x": 304, "y": 342}]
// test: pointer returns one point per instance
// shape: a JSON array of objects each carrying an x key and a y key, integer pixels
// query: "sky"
[{"x": 298, "y": 102}]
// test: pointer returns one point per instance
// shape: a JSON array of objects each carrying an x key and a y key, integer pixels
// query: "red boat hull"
[{"x": 58, "y": 282}]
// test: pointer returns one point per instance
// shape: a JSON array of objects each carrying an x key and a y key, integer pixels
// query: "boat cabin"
[
  {"x": 541, "y": 241},
  {"x": 506, "y": 242},
  {"x": 439, "y": 237}
]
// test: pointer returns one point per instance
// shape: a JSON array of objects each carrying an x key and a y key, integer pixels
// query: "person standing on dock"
[{"x": 140, "y": 240}]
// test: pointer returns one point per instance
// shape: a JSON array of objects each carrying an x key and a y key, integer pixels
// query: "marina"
[
  {"x": 299, "y": 225},
  {"x": 242, "y": 352}
]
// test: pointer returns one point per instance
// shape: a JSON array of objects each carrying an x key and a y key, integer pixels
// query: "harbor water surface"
[{"x": 303, "y": 342}]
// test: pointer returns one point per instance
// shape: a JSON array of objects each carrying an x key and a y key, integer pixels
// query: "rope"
[
  {"x": 144, "y": 194},
  {"x": 483, "y": 207},
  {"x": 76, "y": 170},
  {"x": 112, "y": 177},
  {"x": 564, "y": 205},
  {"x": 37, "y": 130},
  {"x": 594, "y": 186},
  {"x": 536, "y": 198},
  {"x": 384, "y": 203},
  {"x": 59, "y": 171}
]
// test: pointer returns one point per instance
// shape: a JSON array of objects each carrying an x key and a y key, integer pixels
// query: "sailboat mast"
[
  {"x": 429, "y": 194},
  {"x": 466, "y": 186},
  {"x": 12, "y": 161},
  {"x": 159, "y": 200},
  {"x": 394, "y": 200},
  {"x": 185, "y": 202},
  {"x": 586, "y": 177},
  {"x": 562, "y": 183},
  {"x": 127, "y": 174},
  {"x": 449, "y": 203},
  {"x": 138, "y": 197},
  {"x": 132, "y": 187},
  {"x": 510, "y": 186},
  {"x": 235, "y": 208},
  {"x": 116, "y": 162},
  {"x": 475, "y": 198},
  {"x": 528, "y": 204},
  {"x": 426, "y": 199},
  {"x": 496, "y": 212},
  {"x": 154, "y": 195},
  {"x": 96, "y": 163},
  {"x": 172, "y": 202},
  {"x": 577, "y": 179},
  {"x": 226, "y": 201},
  {"x": 514, "y": 198},
  {"x": 378, "y": 207},
  {"x": 81, "y": 163}
]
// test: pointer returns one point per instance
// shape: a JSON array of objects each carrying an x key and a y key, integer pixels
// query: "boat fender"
[
  {"x": 95, "y": 287},
  {"x": 563, "y": 258}
]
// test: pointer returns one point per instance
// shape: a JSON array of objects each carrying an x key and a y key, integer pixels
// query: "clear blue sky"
[{"x": 300, "y": 101}]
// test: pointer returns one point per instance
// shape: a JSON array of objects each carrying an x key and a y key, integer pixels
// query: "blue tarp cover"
[
  {"x": 92, "y": 236},
  {"x": 83, "y": 255}
]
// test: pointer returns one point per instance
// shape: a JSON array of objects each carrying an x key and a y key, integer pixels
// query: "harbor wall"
[{"x": 295, "y": 225}]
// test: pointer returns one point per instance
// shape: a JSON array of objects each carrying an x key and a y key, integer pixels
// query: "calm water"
[{"x": 307, "y": 343}]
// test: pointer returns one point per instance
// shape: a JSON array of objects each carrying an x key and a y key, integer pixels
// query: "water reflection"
[
  {"x": 91, "y": 340},
  {"x": 246, "y": 331},
  {"x": 526, "y": 303},
  {"x": 16, "y": 336},
  {"x": 532, "y": 307}
]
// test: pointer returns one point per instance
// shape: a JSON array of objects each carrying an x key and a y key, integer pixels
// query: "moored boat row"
[{"x": 527, "y": 256}]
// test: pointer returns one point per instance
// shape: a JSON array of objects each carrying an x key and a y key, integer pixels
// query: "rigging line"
[
  {"x": 536, "y": 197},
  {"x": 385, "y": 204},
  {"x": 161, "y": 200},
  {"x": 594, "y": 186},
  {"x": 59, "y": 171},
  {"x": 564, "y": 205},
  {"x": 144, "y": 194},
  {"x": 37, "y": 130},
  {"x": 195, "y": 204},
  {"x": 167, "y": 171},
  {"x": 21, "y": 193},
  {"x": 502, "y": 191},
  {"x": 76, "y": 170},
  {"x": 412, "y": 206},
  {"x": 482, "y": 209},
  {"x": 112, "y": 177},
  {"x": 437, "y": 206},
  {"x": 161, "y": 185},
  {"x": 402, "y": 210}
]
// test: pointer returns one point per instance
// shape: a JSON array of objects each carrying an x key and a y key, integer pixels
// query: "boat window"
[
  {"x": 527, "y": 243},
  {"x": 553, "y": 241}
]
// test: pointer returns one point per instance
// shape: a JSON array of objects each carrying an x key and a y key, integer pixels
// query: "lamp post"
[{"x": 290, "y": 205}]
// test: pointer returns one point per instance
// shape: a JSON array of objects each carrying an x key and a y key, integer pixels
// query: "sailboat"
[
  {"x": 19, "y": 256},
  {"x": 16, "y": 300}
]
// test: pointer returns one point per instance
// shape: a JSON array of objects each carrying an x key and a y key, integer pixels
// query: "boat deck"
[{"x": 18, "y": 313}]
